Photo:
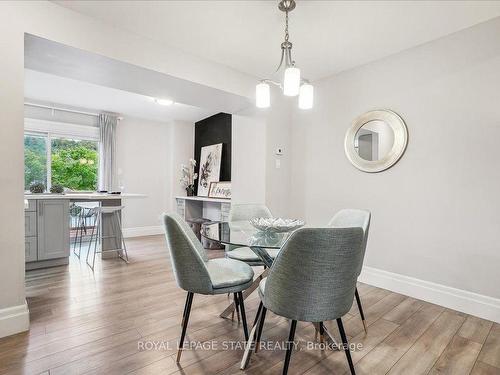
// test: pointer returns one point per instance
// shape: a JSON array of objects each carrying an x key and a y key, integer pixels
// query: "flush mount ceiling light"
[
  {"x": 293, "y": 84},
  {"x": 163, "y": 101}
]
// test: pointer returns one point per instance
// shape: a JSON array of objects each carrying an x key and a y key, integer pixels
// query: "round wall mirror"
[{"x": 376, "y": 140}]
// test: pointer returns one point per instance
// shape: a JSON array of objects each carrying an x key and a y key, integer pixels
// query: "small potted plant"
[
  {"x": 37, "y": 187},
  {"x": 188, "y": 177},
  {"x": 57, "y": 189}
]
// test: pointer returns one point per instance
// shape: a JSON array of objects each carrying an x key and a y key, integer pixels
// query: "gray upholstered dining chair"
[
  {"x": 313, "y": 279},
  {"x": 246, "y": 212},
  {"x": 354, "y": 218},
  {"x": 195, "y": 273}
]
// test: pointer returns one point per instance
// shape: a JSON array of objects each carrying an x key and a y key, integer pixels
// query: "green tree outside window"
[
  {"x": 35, "y": 160},
  {"x": 74, "y": 163}
]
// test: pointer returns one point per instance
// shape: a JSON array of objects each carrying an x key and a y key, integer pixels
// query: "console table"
[{"x": 214, "y": 209}]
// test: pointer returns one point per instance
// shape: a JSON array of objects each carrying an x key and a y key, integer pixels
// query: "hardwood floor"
[{"x": 125, "y": 319}]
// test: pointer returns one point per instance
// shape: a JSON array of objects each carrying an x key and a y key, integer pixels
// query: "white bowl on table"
[{"x": 276, "y": 225}]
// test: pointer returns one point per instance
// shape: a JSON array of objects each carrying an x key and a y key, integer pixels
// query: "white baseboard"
[
  {"x": 457, "y": 299},
  {"x": 14, "y": 319},
  {"x": 142, "y": 231}
]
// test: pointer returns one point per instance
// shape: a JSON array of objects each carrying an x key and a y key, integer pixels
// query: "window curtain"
[{"x": 107, "y": 150}]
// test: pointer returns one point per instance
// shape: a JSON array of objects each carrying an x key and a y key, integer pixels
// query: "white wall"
[
  {"x": 13, "y": 313},
  {"x": 278, "y": 134},
  {"x": 143, "y": 164},
  {"x": 266, "y": 130},
  {"x": 248, "y": 164},
  {"x": 436, "y": 212},
  {"x": 181, "y": 150}
]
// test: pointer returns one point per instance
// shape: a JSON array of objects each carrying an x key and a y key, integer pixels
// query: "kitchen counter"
[
  {"x": 47, "y": 226},
  {"x": 84, "y": 196}
]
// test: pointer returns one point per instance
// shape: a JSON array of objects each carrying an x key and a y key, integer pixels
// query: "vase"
[{"x": 190, "y": 191}]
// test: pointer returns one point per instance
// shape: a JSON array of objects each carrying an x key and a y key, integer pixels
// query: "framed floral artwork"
[{"x": 210, "y": 160}]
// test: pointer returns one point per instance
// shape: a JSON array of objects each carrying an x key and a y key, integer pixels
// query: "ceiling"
[
  {"x": 62, "y": 74},
  {"x": 60, "y": 90},
  {"x": 328, "y": 36}
]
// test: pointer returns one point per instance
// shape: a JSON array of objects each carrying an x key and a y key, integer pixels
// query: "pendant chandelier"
[{"x": 293, "y": 84}]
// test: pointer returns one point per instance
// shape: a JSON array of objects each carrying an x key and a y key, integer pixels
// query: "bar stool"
[
  {"x": 116, "y": 226},
  {"x": 86, "y": 213}
]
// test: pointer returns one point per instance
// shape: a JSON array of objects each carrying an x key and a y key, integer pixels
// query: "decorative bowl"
[{"x": 276, "y": 225}]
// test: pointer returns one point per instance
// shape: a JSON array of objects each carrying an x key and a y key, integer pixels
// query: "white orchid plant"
[{"x": 188, "y": 175}]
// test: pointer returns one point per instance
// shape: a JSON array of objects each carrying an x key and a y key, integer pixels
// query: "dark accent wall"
[{"x": 212, "y": 130}]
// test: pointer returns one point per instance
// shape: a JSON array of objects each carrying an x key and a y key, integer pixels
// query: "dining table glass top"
[{"x": 242, "y": 233}]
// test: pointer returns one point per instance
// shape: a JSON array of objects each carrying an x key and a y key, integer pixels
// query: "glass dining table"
[{"x": 244, "y": 234}]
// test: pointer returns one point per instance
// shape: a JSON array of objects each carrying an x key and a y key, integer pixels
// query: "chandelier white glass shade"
[
  {"x": 291, "y": 81},
  {"x": 292, "y": 84}
]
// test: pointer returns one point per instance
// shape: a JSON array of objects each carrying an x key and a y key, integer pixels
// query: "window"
[
  {"x": 65, "y": 156},
  {"x": 35, "y": 159},
  {"x": 74, "y": 163}
]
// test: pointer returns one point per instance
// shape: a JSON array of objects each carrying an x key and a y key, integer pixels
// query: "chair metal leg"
[
  {"x": 321, "y": 332},
  {"x": 236, "y": 308},
  {"x": 81, "y": 234},
  {"x": 185, "y": 309},
  {"x": 97, "y": 239},
  {"x": 91, "y": 239},
  {"x": 345, "y": 344},
  {"x": 261, "y": 305},
  {"x": 261, "y": 326},
  {"x": 289, "y": 345},
  {"x": 189, "y": 302},
  {"x": 255, "y": 284},
  {"x": 360, "y": 308},
  {"x": 243, "y": 314},
  {"x": 78, "y": 226}
]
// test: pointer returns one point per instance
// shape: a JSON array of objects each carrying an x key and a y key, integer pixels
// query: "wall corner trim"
[
  {"x": 14, "y": 319},
  {"x": 142, "y": 231},
  {"x": 457, "y": 299}
]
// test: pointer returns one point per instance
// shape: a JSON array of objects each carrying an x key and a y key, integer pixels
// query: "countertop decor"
[
  {"x": 37, "y": 187},
  {"x": 188, "y": 177},
  {"x": 276, "y": 225}
]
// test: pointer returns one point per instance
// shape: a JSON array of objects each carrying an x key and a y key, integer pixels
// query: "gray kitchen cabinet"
[
  {"x": 30, "y": 223},
  {"x": 30, "y": 252},
  {"x": 52, "y": 229},
  {"x": 31, "y": 206}
]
